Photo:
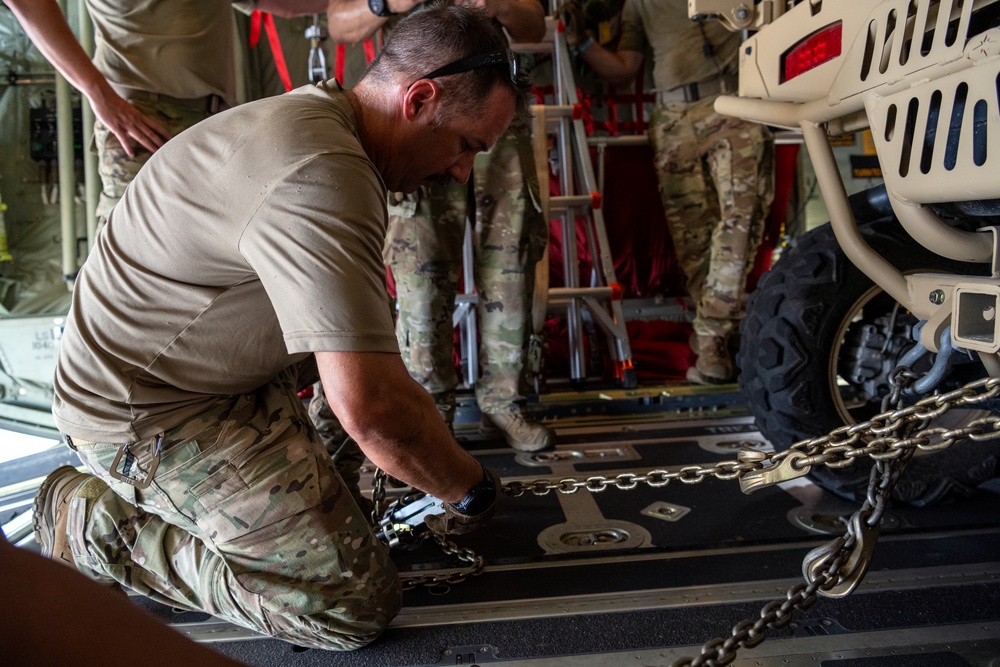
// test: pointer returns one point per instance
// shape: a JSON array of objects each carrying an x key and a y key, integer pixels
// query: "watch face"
[{"x": 378, "y": 7}]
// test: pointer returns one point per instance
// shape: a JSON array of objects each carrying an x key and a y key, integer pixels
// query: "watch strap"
[
  {"x": 380, "y": 8},
  {"x": 479, "y": 498}
]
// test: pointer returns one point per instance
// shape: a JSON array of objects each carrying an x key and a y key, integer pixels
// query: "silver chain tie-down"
[{"x": 832, "y": 570}]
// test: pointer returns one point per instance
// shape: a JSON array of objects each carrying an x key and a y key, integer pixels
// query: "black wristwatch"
[
  {"x": 380, "y": 7},
  {"x": 479, "y": 497}
]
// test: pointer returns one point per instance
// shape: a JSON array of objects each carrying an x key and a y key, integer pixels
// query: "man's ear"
[{"x": 421, "y": 100}]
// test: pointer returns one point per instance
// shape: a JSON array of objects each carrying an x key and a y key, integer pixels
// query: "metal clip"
[
  {"x": 403, "y": 527},
  {"x": 129, "y": 467},
  {"x": 783, "y": 471},
  {"x": 856, "y": 564}
]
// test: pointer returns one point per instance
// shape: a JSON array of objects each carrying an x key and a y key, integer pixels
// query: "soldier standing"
[
  {"x": 424, "y": 249},
  {"x": 159, "y": 67},
  {"x": 715, "y": 172}
]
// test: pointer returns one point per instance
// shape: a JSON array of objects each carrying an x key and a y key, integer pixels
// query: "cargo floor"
[{"x": 646, "y": 575}]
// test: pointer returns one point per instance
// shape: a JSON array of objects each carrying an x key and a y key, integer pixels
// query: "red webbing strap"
[
  {"x": 338, "y": 69},
  {"x": 256, "y": 18},
  {"x": 341, "y": 55}
]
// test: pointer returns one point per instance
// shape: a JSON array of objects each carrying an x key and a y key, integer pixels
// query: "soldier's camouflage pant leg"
[
  {"x": 116, "y": 168},
  {"x": 716, "y": 182},
  {"x": 245, "y": 519},
  {"x": 511, "y": 234},
  {"x": 424, "y": 251}
]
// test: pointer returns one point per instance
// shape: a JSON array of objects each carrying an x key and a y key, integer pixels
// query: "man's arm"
[
  {"x": 396, "y": 423},
  {"x": 524, "y": 20},
  {"x": 291, "y": 8},
  {"x": 45, "y": 24},
  {"x": 614, "y": 67},
  {"x": 350, "y": 21}
]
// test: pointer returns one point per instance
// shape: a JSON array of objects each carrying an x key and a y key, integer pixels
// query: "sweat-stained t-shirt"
[
  {"x": 678, "y": 43},
  {"x": 244, "y": 244},
  {"x": 180, "y": 48}
]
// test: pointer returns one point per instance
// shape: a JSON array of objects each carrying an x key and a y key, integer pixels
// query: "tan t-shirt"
[
  {"x": 677, "y": 42},
  {"x": 244, "y": 244},
  {"x": 180, "y": 48}
]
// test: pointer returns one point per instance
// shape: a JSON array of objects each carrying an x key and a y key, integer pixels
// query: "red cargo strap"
[
  {"x": 256, "y": 17},
  {"x": 341, "y": 55}
]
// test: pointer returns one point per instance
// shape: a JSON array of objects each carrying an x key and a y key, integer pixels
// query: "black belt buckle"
[{"x": 129, "y": 472}]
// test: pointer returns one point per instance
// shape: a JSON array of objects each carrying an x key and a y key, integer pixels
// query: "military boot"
[
  {"x": 714, "y": 364},
  {"x": 520, "y": 433},
  {"x": 50, "y": 512}
]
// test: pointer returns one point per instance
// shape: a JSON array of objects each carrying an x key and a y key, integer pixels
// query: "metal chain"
[
  {"x": 896, "y": 434},
  {"x": 835, "y": 450},
  {"x": 381, "y": 510},
  {"x": 475, "y": 568},
  {"x": 835, "y": 568}
]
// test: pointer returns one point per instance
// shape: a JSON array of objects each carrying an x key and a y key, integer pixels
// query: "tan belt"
[
  {"x": 210, "y": 104},
  {"x": 692, "y": 92}
]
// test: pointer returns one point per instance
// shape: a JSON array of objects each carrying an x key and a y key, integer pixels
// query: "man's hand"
[
  {"x": 524, "y": 20},
  {"x": 132, "y": 127},
  {"x": 475, "y": 510},
  {"x": 571, "y": 15}
]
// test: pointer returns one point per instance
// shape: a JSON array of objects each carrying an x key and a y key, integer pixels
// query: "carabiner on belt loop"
[{"x": 130, "y": 469}]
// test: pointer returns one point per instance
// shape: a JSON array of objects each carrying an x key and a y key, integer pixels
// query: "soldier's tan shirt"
[
  {"x": 244, "y": 244},
  {"x": 677, "y": 43},
  {"x": 180, "y": 48}
]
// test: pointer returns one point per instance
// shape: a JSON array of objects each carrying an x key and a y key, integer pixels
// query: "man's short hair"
[{"x": 441, "y": 33}]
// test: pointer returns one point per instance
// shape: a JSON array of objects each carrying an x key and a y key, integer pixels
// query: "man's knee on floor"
[{"x": 350, "y": 623}]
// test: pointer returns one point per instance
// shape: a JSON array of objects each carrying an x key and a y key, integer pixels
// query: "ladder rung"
[
  {"x": 578, "y": 292},
  {"x": 555, "y": 112},
  {"x": 563, "y": 202}
]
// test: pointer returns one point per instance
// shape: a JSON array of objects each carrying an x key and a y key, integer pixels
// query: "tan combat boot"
[
  {"x": 521, "y": 434},
  {"x": 714, "y": 364},
  {"x": 50, "y": 512}
]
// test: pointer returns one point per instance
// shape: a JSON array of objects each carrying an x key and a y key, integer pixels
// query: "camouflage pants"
[
  {"x": 717, "y": 182},
  {"x": 424, "y": 251},
  {"x": 245, "y": 519},
  {"x": 116, "y": 168}
]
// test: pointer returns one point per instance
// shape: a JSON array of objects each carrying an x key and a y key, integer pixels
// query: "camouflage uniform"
[
  {"x": 424, "y": 250},
  {"x": 716, "y": 184},
  {"x": 200, "y": 537},
  {"x": 715, "y": 173},
  {"x": 116, "y": 168}
]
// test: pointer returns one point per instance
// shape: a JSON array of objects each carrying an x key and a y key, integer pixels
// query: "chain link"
[
  {"x": 476, "y": 563},
  {"x": 838, "y": 449}
]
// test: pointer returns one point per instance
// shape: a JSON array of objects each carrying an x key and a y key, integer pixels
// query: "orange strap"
[{"x": 256, "y": 18}]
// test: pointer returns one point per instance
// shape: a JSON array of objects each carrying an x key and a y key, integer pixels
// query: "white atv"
[{"x": 906, "y": 273}]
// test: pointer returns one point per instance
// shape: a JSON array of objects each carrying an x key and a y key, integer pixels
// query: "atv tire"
[{"x": 795, "y": 340}]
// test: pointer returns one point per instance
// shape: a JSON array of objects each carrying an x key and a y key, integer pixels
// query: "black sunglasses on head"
[{"x": 503, "y": 57}]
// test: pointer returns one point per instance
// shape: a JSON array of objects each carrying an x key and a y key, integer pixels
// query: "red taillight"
[{"x": 813, "y": 51}]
